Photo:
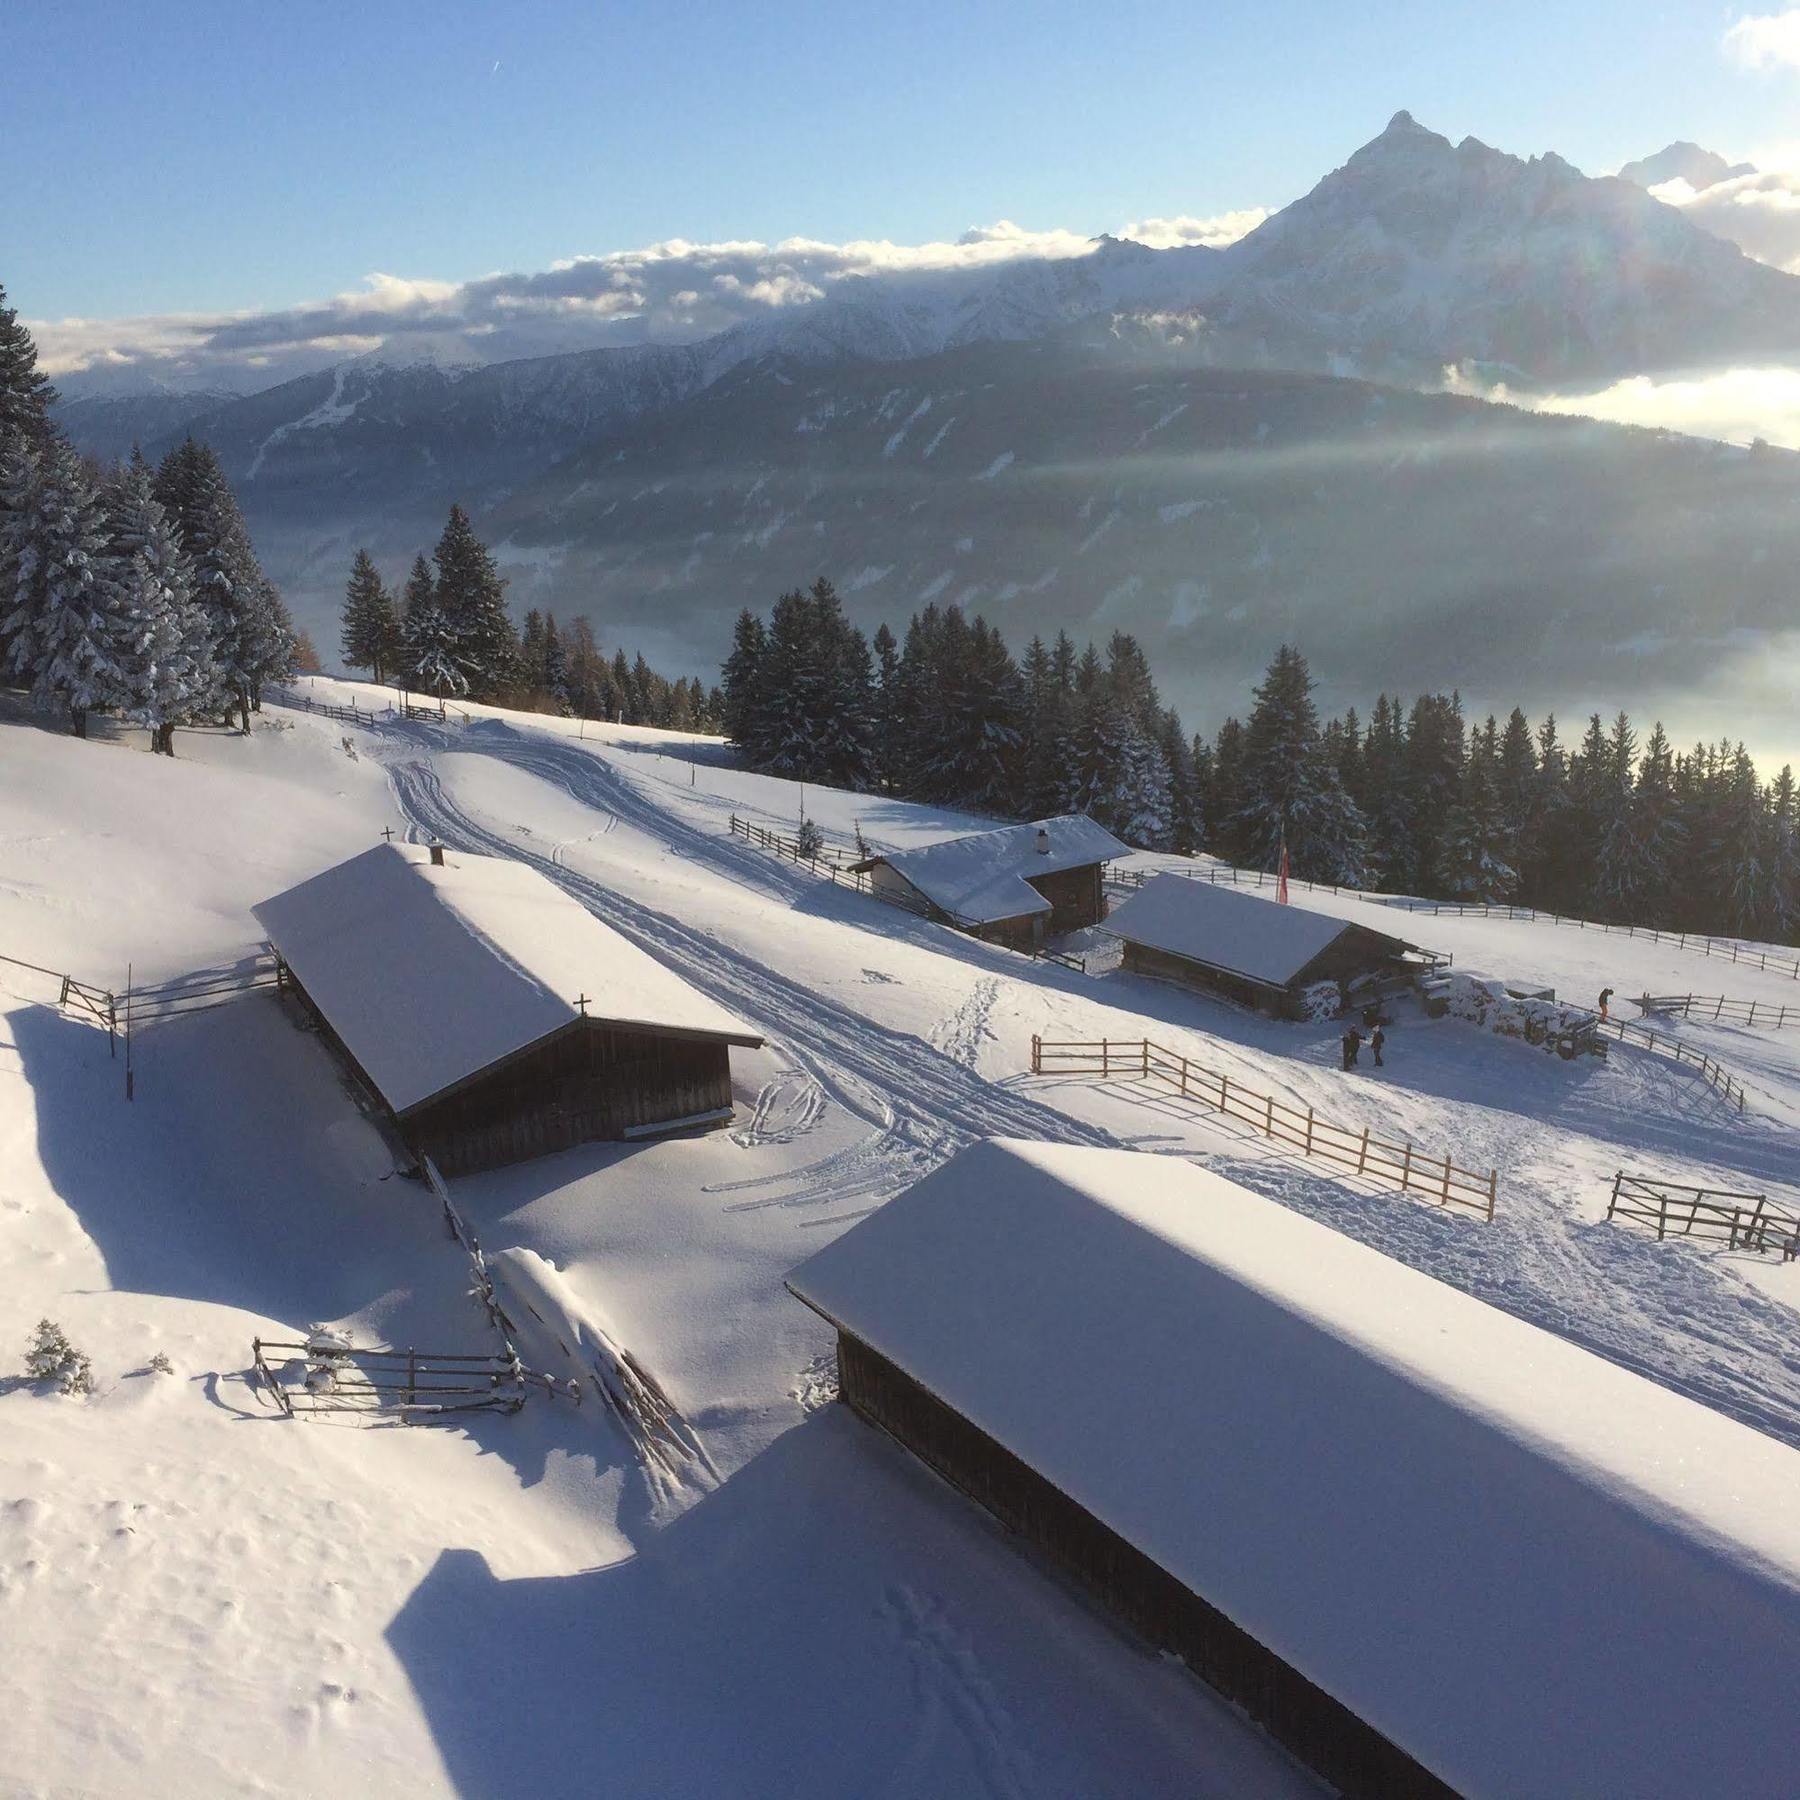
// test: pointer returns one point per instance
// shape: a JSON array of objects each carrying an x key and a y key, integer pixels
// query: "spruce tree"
[
  {"x": 62, "y": 622},
  {"x": 742, "y": 674},
  {"x": 472, "y": 597},
  {"x": 1292, "y": 795},
  {"x": 166, "y": 654},
  {"x": 26, "y": 395},
  {"x": 1473, "y": 863},
  {"x": 371, "y": 624}
]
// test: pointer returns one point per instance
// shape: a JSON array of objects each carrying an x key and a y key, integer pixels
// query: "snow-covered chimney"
[
  {"x": 437, "y": 856},
  {"x": 1043, "y": 842}
]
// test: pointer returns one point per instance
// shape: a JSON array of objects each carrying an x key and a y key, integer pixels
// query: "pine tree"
[
  {"x": 371, "y": 624},
  {"x": 62, "y": 622},
  {"x": 472, "y": 597},
  {"x": 742, "y": 675},
  {"x": 432, "y": 658},
  {"x": 251, "y": 638},
  {"x": 1386, "y": 776},
  {"x": 165, "y": 659},
  {"x": 1434, "y": 778},
  {"x": 1516, "y": 777},
  {"x": 556, "y": 665},
  {"x": 1473, "y": 862},
  {"x": 1292, "y": 795},
  {"x": 26, "y": 395}
]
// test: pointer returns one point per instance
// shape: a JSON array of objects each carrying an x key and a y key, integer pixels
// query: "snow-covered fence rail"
[
  {"x": 346, "y": 715},
  {"x": 1433, "y": 1178},
  {"x": 833, "y": 863},
  {"x": 184, "y": 994},
  {"x": 1716, "y": 1006},
  {"x": 1741, "y": 1221},
  {"x": 1221, "y": 875},
  {"x": 338, "y": 1378},
  {"x": 1661, "y": 1043}
]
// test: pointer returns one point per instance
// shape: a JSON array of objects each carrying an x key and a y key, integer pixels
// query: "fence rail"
[
  {"x": 1662, "y": 1043},
  {"x": 1741, "y": 1221},
  {"x": 1717, "y": 1007},
  {"x": 1403, "y": 1165},
  {"x": 1223, "y": 875},
  {"x": 833, "y": 863},
  {"x": 415, "y": 1383}
]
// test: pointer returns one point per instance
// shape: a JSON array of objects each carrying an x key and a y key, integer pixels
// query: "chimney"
[
  {"x": 1043, "y": 842},
  {"x": 437, "y": 856}
]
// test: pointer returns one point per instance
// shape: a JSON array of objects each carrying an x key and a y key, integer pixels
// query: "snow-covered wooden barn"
[
  {"x": 1252, "y": 947},
  {"x": 1432, "y": 1548},
  {"x": 1015, "y": 885},
  {"x": 489, "y": 1013}
]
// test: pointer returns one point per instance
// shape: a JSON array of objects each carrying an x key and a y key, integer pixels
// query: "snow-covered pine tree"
[
  {"x": 1635, "y": 875},
  {"x": 1736, "y": 861},
  {"x": 1784, "y": 857},
  {"x": 740, "y": 682},
  {"x": 982, "y": 709},
  {"x": 371, "y": 621},
  {"x": 1292, "y": 794},
  {"x": 26, "y": 395},
  {"x": 556, "y": 665},
  {"x": 1434, "y": 779},
  {"x": 1393, "y": 858},
  {"x": 1473, "y": 863},
  {"x": 472, "y": 597},
  {"x": 245, "y": 623},
  {"x": 166, "y": 654},
  {"x": 61, "y": 621}
]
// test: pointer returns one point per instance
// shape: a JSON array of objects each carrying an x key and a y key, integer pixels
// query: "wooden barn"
[
  {"x": 1251, "y": 947},
  {"x": 489, "y": 1014},
  {"x": 1015, "y": 886},
  {"x": 1430, "y": 1547}
]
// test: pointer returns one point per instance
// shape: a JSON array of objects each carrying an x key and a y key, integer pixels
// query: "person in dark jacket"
[
  {"x": 1352, "y": 1044},
  {"x": 1377, "y": 1038},
  {"x": 1605, "y": 996}
]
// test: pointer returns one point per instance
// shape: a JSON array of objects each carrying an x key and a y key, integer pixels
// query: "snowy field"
[{"x": 221, "y": 1601}]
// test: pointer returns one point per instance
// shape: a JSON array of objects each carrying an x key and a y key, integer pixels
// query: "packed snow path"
[{"x": 922, "y": 1104}]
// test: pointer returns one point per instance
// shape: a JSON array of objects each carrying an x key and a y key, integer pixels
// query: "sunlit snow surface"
[{"x": 223, "y": 1602}]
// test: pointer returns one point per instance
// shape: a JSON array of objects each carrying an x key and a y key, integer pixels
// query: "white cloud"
[
  {"x": 1216, "y": 232},
  {"x": 1759, "y": 212},
  {"x": 1766, "y": 40},
  {"x": 1733, "y": 405},
  {"x": 675, "y": 291}
]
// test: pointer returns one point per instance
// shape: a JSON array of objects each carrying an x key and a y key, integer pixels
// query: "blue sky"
[{"x": 217, "y": 156}]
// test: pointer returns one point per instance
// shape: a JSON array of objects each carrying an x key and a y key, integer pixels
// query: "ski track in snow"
[{"x": 920, "y": 1104}]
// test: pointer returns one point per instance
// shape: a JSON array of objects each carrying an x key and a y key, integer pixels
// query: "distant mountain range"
[{"x": 998, "y": 437}]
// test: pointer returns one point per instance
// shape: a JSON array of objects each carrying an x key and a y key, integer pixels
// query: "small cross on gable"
[{"x": 582, "y": 1002}]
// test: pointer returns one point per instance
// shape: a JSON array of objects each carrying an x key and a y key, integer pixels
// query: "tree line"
[
  {"x": 448, "y": 632},
  {"x": 128, "y": 590},
  {"x": 1419, "y": 801}
]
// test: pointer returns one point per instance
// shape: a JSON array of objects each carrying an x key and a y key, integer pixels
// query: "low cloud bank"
[
  {"x": 1737, "y": 406},
  {"x": 670, "y": 292},
  {"x": 1759, "y": 212}
]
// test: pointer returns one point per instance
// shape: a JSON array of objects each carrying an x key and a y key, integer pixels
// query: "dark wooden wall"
[
  {"x": 1327, "y": 1736},
  {"x": 1077, "y": 897},
  {"x": 1140, "y": 959},
  {"x": 594, "y": 1082}
]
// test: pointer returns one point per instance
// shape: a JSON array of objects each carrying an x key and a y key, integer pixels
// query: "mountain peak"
[
  {"x": 1401, "y": 123},
  {"x": 1683, "y": 161}
]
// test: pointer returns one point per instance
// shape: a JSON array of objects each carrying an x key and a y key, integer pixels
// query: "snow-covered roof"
[
  {"x": 1535, "y": 1571},
  {"x": 983, "y": 877},
  {"x": 1245, "y": 932},
  {"x": 432, "y": 974}
]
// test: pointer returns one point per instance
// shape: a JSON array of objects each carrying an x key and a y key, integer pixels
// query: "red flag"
[{"x": 1281, "y": 878}]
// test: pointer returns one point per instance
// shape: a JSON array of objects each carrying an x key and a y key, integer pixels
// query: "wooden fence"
[
  {"x": 1662, "y": 1043},
  {"x": 1741, "y": 1221},
  {"x": 1223, "y": 875},
  {"x": 1716, "y": 1006},
  {"x": 832, "y": 862},
  {"x": 1433, "y": 1178},
  {"x": 101, "y": 1004},
  {"x": 413, "y": 1383}
]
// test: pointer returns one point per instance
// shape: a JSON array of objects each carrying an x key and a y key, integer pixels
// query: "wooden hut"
[
  {"x": 1254, "y": 948},
  {"x": 1015, "y": 886},
  {"x": 489, "y": 1014},
  {"x": 1430, "y": 1547}
]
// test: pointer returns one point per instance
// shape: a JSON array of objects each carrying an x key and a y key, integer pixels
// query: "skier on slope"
[{"x": 1352, "y": 1044}]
